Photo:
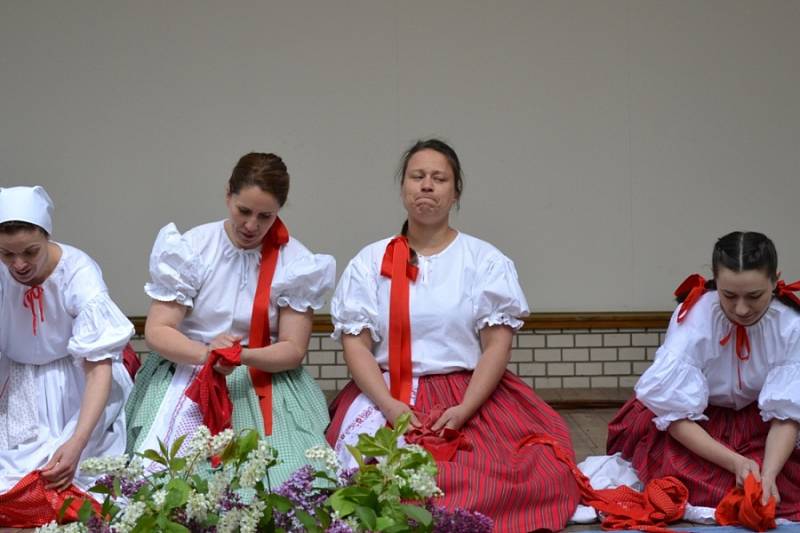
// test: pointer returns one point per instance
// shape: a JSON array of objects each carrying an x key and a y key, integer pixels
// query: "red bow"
[
  {"x": 210, "y": 389},
  {"x": 32, "y": 295},
  {"x": 690, "y": 292},
  {"x": 396, "y": 266},
  {"x": 442, "y": 444},
  {"x": 663, "y": 500},
  {"x": 742, "y": 347},
  {"x": 277, "y": 236},
  {"x": 782, "y": 290},
  {"x": 742, "y": 506}
]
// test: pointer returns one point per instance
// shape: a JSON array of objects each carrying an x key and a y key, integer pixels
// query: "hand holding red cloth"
[
  {"x": 210, "y": 389},
  {"x": 442, "y": 444},
  {"x": 742, "y": 506}
]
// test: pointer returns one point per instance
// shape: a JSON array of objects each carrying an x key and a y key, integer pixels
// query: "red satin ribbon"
[
  {"x": 396, "y": 266},
  {"x": 690, "y": 292},
  {"x": 210, "y": 389},
  {"x": 663, "y": 500},
  {"x": 442, "y": 444},
  {"x": 32, "y": 295},
  {"x": 742, "y": 347},
  {"x": 277, "y": 236},
  {"x": 788, "y": 291},
  {"x": 742, "y": 506}
]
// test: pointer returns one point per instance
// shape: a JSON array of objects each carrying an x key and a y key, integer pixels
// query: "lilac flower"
[
  {"x": 300, "y": 490},
  {"x": 459, "y": 520},
  {"x": 339, "y": 526}
]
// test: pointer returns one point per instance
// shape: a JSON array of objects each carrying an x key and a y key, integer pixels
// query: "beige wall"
[{"x": 606, "y": 143}]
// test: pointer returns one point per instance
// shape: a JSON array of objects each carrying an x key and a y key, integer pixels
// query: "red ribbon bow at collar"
[
  {"x": 662, "y": 501},
  {"x": 690, "y": 292},
  {"x": 396, "y": 266},
  {"x": 31, "y": 296},
  {"x": 210, "y": 389},
  {"x": 742, "y": 506},
  {"x": 442, "y": 444}
]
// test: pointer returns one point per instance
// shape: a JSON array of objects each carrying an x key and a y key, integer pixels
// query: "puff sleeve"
[{"x": 175, "y": 270}]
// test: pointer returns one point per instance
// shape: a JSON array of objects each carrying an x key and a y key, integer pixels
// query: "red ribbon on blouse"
[
  {"x": 31, "y": 296},
  {"x": 662, "y": 501},
  {"x": 277, "y": 236},
  {"x": 397, "y": 267},
  {"x": 742, "y": 347}
]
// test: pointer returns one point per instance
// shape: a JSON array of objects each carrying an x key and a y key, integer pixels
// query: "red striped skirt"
[
  {"x": 521, "y": 490},
  {"x": 656, "y": 454}
]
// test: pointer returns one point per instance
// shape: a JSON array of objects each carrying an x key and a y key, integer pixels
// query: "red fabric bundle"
[
  {"x": 30, "y": 503},
  {"x": 442, "y": 444},
  {"x": 663, "y": 500},
  {"x": 131, "y": 361},
  {"x": 210, "y": 389},
  {"x": 742, "y": 507}
]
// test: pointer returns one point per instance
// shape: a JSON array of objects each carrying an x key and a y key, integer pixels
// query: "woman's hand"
[
  {"x": 744, "y": 466},
  {"x": 394, "y": 408},
  {"x": 223, "y": 340},
  {"x": 770, "y": 488},
  {"x": 60, "y": 470},
  {"x": 452, "y": 418}
]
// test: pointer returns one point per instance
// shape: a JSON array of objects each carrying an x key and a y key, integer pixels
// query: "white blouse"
[
  {"x": 693, "y": 370},
  {"x": 203, "y": 270},
  {"x": 80, "y": 319},
  {"x": 459, "y": 291}
]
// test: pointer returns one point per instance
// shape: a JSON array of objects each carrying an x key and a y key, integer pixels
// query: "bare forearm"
[
  {"x": 174, "y": 345},
  {"x": 781, "y": 441},
  {"x": 487, "y": 375},
  {"x": 699, "y": 442},
  {"x": 95, "y": 396},
  {"x": 278, "y": 357},
  {"x": 367, "y": 375}
]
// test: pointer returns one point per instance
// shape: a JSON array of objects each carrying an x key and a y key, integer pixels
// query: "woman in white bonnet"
[{"x": 62, "y": 381}]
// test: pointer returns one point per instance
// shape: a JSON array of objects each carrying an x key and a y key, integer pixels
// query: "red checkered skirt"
[
  {"x": 656, "y": 454},
  {"x": 520, "y": 489}
]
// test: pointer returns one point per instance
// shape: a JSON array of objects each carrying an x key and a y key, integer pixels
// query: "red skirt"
[
  {"x": 521, "y": 490},
  {"x": 656, "y": 454}
]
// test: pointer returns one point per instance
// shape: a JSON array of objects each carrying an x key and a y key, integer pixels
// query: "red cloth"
[
  {"x": 521, "y": 490},
  {"x": 277, "y": 236},
  {"x": 396, "y": 266},
  {"x": 210, "y": 389},
  {"x": 742, "y": 507},
  {"x": 131, "y": 361},
  {"x": 662, "y": 502},
  {"x": 655, "y": 453},
  {"x": 30, "y": 504},
  {"x": 442, "y": 444}
]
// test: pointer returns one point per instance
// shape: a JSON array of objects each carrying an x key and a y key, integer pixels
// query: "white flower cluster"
[
  {"x": 217, "y": 486},
  {"x": 114, "y": 465},
  {"x": 220, "y": 441},
  {"x": 129, "y": 517},
  {"x": 229, "y": 522},
  {"x": 52, "y": 527},
  {"x": 159, "y": 497},
  {"x": 424, "y": 485},
  {"x": 199, "y": 444},
  {"x": 254, "y": 469},
  {"x": 197, "y": 507},
  {"x": 248, "y": 521},
  {"x": 326, "y": 455}
]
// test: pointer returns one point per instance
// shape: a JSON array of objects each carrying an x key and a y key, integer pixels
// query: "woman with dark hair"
[
  {"x": 62, "y": 381},
  {"x": 426, "y": 320},
  {"x": 234, "y": 298},
  {"x": 722, "y": 398}
]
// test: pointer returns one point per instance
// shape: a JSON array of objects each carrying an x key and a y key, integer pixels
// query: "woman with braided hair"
[{"x": 721, "y": 401}]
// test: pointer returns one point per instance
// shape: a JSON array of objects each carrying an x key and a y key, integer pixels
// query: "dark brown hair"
[
  {"x": 265, "y": 171},
  {"x": 11, "y": 227}
]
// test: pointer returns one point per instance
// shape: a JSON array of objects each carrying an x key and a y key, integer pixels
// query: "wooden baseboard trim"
[{"x": 536, "y": 321}]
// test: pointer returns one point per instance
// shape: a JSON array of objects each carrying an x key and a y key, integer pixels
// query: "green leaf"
[
  {"x": 174, "y": 527},
  {"x": 154, "y": 456},
  {"x": 173, "y": 451},
  {"x": 177, "y": 464},
  {"x": 280, "y": 503},
  {"x": 100, "y": 489},
  {"x": 308, "y": 521},
  {"x": 367, "y": 517},
  {"x": 163, "y": 447},
  {"x": 63, "y": 509},
  {"x": 247, "y": 444},
  {"x": 117, "y": 487},
  {"x": 177, "y": 493},
  {"x": 418, "y": 514},
  {"x": 85, "y": 512},
  {"x": 341, "y": 504},
  {"x": 357, "y": 455}
]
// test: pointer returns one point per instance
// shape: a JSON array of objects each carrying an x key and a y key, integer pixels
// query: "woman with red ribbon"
[
  {"x": 426, "y": 320},
  {"x": 63, "y": 384},
  {"x": 722, "y": 398},
  {"x": 230, "y": 320}
]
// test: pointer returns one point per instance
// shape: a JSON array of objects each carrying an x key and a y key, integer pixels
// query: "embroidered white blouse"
[
  {"x": 80, "y": 319},
  {"x": 693, "y": 370},
  {"x": 203, "y": 270},
  {"x": 459, "y": 291}
]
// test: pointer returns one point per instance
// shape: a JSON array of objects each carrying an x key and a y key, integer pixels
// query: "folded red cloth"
[
  {"x": 210, "y": 389},
  {"x": 742, "y": 506},
  {"x": 30, "y": 503},
  {"x": 442, "y": 444}
]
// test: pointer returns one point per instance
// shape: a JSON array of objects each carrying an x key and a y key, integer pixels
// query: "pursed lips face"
[{"x": 428, "y": 186}]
